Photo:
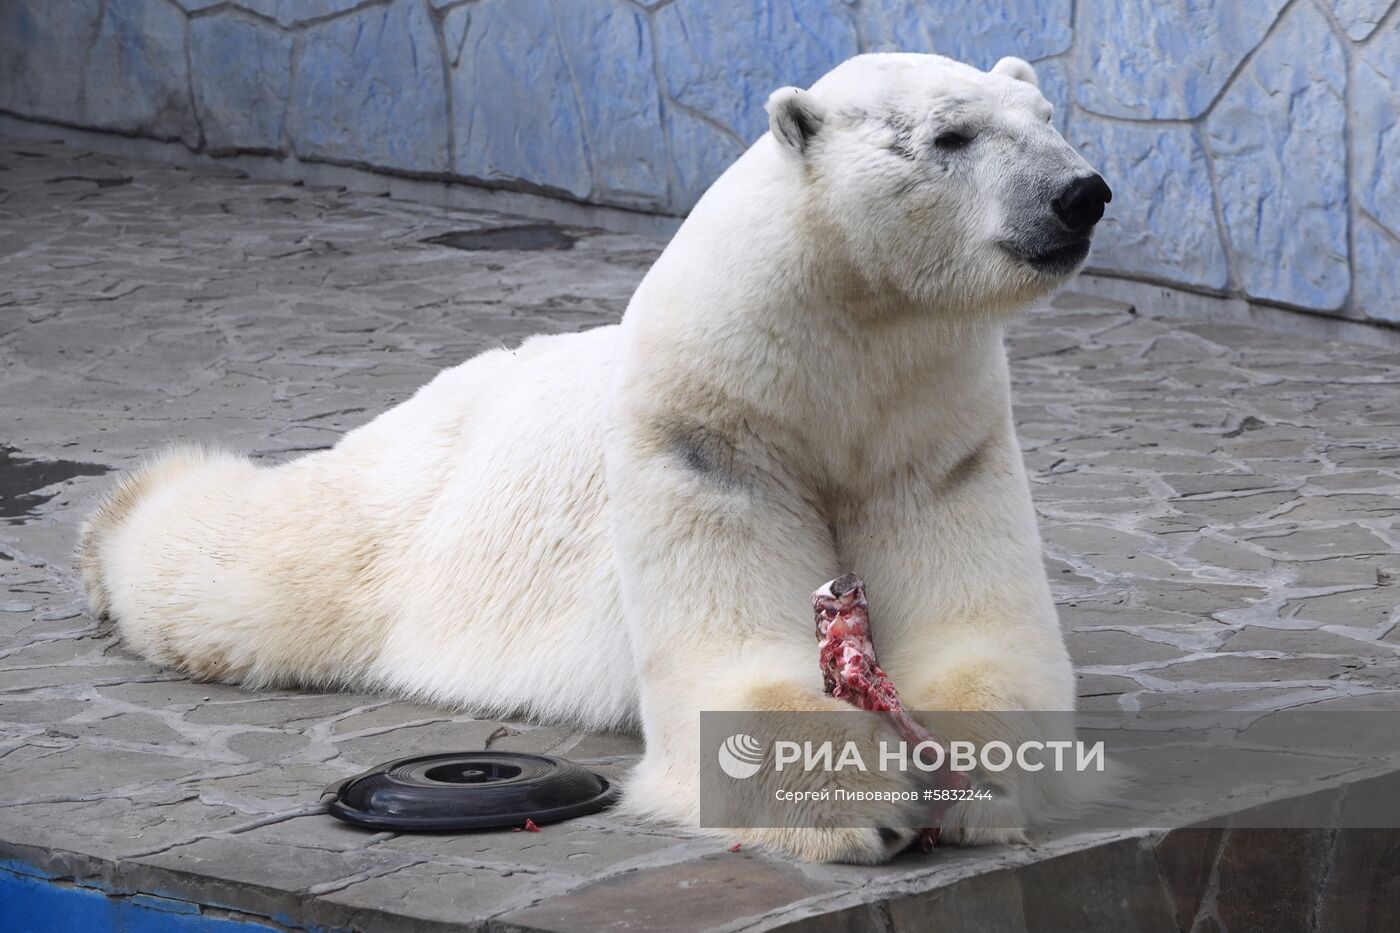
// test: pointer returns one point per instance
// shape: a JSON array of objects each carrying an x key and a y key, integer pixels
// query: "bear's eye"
[{"x": 950, "y": 140}]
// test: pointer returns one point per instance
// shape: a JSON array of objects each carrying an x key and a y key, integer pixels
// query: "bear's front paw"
[
  {"x": 846, "y": 845},
  {"x": 998, "y": 821}
]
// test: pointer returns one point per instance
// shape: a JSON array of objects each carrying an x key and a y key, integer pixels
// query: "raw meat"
[{"x": 851, "y": 673}]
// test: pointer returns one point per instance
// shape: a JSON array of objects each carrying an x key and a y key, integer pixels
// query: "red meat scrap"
[{"x": 851, "y": 672}]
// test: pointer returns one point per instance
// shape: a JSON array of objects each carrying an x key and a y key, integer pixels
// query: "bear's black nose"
[{"x": 1080, "y": 205}]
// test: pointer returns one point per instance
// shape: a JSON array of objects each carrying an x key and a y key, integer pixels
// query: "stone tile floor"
[{"x": 1219, "y": 512}]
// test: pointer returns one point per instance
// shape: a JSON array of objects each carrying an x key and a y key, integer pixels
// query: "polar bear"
[{"x": 621, "y": 528}]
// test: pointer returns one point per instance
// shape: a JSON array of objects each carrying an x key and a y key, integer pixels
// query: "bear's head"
[{"x": 935, "y": 184}]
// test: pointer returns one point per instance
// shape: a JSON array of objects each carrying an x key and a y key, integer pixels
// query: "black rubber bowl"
[{"x": 468, "y": 790}]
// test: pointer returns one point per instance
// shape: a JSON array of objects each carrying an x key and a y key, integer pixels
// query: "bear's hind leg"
[{"x": 229, "y": 571}]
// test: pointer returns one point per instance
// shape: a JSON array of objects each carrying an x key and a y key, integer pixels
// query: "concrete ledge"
[{"x": 1235, "y": 877}]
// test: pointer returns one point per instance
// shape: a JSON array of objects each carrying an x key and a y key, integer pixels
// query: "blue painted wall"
[{"x": 1253, "y": 143}]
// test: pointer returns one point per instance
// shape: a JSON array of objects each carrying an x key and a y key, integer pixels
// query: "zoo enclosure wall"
[{"x": 1253, "y": 147}]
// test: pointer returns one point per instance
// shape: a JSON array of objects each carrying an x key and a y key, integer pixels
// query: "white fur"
[
  {"x": 623, "y": 527},
  {"x": 1017, "y": 68}
]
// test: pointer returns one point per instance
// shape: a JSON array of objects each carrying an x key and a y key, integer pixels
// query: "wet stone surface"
[
  {"x": 1218, "y": 509},
  {"x": 21, "y": 477},
  {"x": 521, "y": 237}
]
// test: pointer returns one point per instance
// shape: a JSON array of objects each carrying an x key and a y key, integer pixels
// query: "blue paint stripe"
[{"x": 29, "y": 903}]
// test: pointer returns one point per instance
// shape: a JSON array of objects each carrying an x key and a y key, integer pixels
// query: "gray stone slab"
[
  {"x": 1320, "y": 542},
  {"x": 583, "y": 848},
  {"x": 1362, "y": 607},
  {"x": 1237, "y": 668},
  {"x": 1102, "y": 648},
  {"x": 1291, "y": 641},
  {"x": 714, "y": 891},
  {"x": 438, "y": 895},
  {"x": 416, "y": 740},
  {"x": 268, "y": 879}
]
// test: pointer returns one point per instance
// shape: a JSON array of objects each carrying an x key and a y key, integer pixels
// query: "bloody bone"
[{"x": 851, "y": 673}]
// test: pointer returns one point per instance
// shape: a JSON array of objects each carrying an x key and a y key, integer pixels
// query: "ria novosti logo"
[{"x": 740, "y": 756}]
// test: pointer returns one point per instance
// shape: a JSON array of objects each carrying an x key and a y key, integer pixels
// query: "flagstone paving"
[{"x": 1218, "y": 504}]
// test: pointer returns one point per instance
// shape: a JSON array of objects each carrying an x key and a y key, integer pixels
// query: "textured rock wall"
[{"x": 1253, "y": 145}]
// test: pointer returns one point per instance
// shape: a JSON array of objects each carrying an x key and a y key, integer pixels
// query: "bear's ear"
[
  {"x": 794, "y": 116},
  {"x": 1017, "y": 68}
]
